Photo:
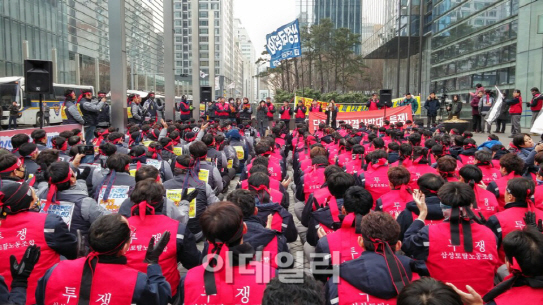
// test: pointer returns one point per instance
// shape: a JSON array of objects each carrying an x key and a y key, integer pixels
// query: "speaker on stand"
[
  {"x": 39, "y": 79},
  {"x": 385, "y": 99}
]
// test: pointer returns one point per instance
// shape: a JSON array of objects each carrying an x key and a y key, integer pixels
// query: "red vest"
[
  {"x": 449, "y": 263},
  {"x": 538, "y": 197},
  {"x": 275, "y": 195},
  {"x": 417, "y": 170},
  {"x": 502, "y": 185},
  {"x": 353, "y": 166},
  {"x": 154, "y": 225},
  {"x": 184, "y": 106},
  {"x": 350, "y": 295},
  {"x": 305, "y": 164},
  {"x": 19, "y": 231},
  {"x": 427, "y": 222},
  {"x": 343, "y": 243},
  {"x": 517, "y": 108},
  {"x": 539, "y": 104},
  {"x": 300, "y": 114},
  {"x": 235, "y": 285},
  {"x": 112, "y": 284},
  {"x": 319, "y": 133},
  {"x": 344, "y": 157},
  {"x": 280, "y": 142},
  {"x": 313, "y": 180},
  {"x": 377, "y": 182},
  {"x": 342, "y": 132},
  {"x": 270, "y": 109},
  {"x": 323, "y": 197},
  {"x": 315, "y": 109},
  {"x": 286, "y": 113},
  {"x": 467, "y": 159},
  {"x": 274, "y": 184},
  {"x": 522, "y": 294},
  {"x": 487, "y": 203},
  {"x": 373, "y": 105},
  {"x": 275, "y": 171},
  {"x": 490, "y": 173},
  {"x": 513, "y": 219},
  {"x": 222, "y": 107},
  {"x": 392, "y": 202}
]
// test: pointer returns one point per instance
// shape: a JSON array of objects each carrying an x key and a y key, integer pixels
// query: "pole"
[
  {"x": 117, "y": 34},
  {"x": 196, "y": 59},
  {"x": 399, "y": 45},
  {"x": 408, "y": 70},
  {"x": 169, "y": 66},
  {"x": 421, "y": 36},
  {"x": 41, "y": 111}
]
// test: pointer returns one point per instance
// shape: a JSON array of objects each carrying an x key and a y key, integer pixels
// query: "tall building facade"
[
  {"x": 247, "y": 49},
  {"x": 463, "y": 43},
  {"x": 343, "y": 13},
  {"x": 226, "y": 65},
  {"x": 75, "y": 35}
]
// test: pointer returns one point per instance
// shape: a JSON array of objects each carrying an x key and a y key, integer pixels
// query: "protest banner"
[
  {"x": 175, "y": 195},
  {"x": 350, "y": 107},
  {"x": 117, "y": 195},
  {"x": 375, "y": 117},
  {"x": 63, "y": 209},
  {"x": 284, "y": 43}
]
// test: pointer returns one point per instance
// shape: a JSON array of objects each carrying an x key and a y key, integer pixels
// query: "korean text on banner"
[
  {"x": 284, "y": 43},
  {"x": 397, "y": 114},
  {"x": 63, "y": 209},
  {"x": 117, "y": 195},
  {"x": 175, "y": 196}
]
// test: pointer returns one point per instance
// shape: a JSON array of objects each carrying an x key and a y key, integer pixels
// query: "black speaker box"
[
  {"x": 385, "y": 95},
  {"x": 205, "y": 94},
  {"x": 38, "y": 76}
]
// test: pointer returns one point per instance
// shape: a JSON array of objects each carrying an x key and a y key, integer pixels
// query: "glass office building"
[
  {"x": 473, "y": 42},
  {"x": 343, "y": 13},
  {"x": 465, "y": 42},
  {"x": 77, "y": 32}
]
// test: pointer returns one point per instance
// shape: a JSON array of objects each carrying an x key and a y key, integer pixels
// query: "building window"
[
  {"x": 203, "y": 22},
  {"x": 204, "y": 55},
  {"x": 177, "y": 6},
  {"x": 204, "y": 63},
  {"x": 203, "y": 6},
  {"x": 178, "y": 39},
  {"x": 203, "y": 14},
  {"x": 204, "y": 47},
  {"x": 214, "y": 6},
  {"x": 204, "y": 31},
  {"x": 203, "y": 39}
]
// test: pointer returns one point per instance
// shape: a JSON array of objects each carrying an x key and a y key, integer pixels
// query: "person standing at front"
[
  {"x": 13, "y": 114},
  {"x": 90, "y": 108},
  {"x": 536, "y": 104},
  {"x": 432, "y": 106},
  {"x": 515, "y": 110},
  {"x": 475, "y": 112},
  {"x": 262, "y": 118}
]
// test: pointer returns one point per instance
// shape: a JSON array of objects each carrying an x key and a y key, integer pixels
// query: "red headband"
[
  {"x": 15, "y": 166},
  {"x": 142, "y": 207},
  {"x": 53, "y": 190}
]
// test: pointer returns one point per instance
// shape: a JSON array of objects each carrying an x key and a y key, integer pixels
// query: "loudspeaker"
[
  {"x": 38, "y": 76},
  {"x": 385, "y": 96},
  {"x": 205, "y": 94}
]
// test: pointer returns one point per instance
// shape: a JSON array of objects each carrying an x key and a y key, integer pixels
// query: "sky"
[{"x": 261, "y": 17}]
